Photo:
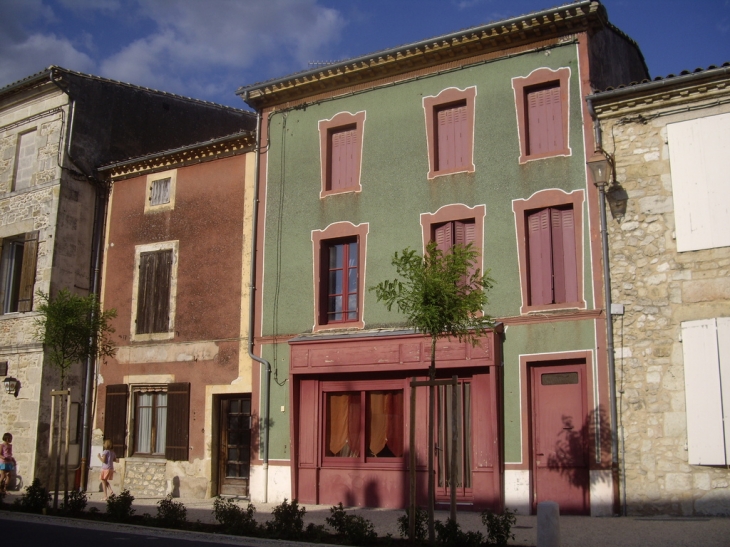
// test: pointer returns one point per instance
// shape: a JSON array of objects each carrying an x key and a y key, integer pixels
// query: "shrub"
[
  {"x": 288, "y": 521},
  {"x": 35, "y": 499},
  {"x": 119, "y": 507},
  {"x": 75, "y": 503},
  {"x": 235, "y": 519},
  {"x": 354, "y": 529},
  {"x": 499, "y": 527},
  {"x": 171, "y": 514},
  {"x": 450, "y": 534},
  {"x": 421, "y": 524}
]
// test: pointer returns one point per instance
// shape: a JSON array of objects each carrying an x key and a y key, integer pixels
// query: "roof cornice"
[
  {"x": 538, "y": 26},
  {"x": 223, "y": 147},
  {"x": 701, "y": 85}
]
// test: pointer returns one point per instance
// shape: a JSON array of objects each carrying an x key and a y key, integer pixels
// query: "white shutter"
[
  {"x": 723, "y": 347},
  {"x": 700, "y": 181},
  {"x": 703, "y": 392}
]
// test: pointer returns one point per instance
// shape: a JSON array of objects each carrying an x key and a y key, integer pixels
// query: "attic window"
[{"x": 160, "y": 191}]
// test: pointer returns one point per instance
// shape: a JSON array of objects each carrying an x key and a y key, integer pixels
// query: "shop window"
[
  {"x": 450, "y": 131},
  {"x": 364, "y": 424},
  {"x": 341, "y": 141},
  {"x": 541, "y": 100}
]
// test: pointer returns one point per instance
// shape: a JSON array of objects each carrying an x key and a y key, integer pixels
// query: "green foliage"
[
  {"x": 171, "y": 514},
  {"x": 235, "y": 519},
  {"x": 354, "y": 529},
  {"x": 421, "y": 531},
  {"x": 75, "y": 503},
  {"x": 288, "y": 522},
  {"x": 73, "y": 327},
  {"x": 499, "y": 527},
  {"x": 119, "y": 507},
  {"x": 35, "y": 499},
  {"x": 439, "y": 293},
  {"x": 451, "y": 535}
]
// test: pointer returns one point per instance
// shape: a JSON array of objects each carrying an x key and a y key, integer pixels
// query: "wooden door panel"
[{"x": 234, "y": 455}]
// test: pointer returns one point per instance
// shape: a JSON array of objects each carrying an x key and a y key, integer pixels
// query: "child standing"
[
  {"x": 108, "y": 457},
  {"x": 7, "y": 462}
]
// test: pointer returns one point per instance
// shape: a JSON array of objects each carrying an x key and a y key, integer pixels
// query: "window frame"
[
  {"x": 33, "y": 132},
  {"x": 154, "y": 247},
  {"x": 541, "y": 77},
  {"x": 339, "y": 231},
  {"x": 168, "y": 206},
  {"x": 136, "y": 392},
  {"x": 431, "y": 105},
  {"x": 542, "y": 200},
  {"x": 26, "y": 272},
  {"x": 326, "y": 128},
  {"x": 363, "y": 387},
  {"x": 454, "y": 213}
]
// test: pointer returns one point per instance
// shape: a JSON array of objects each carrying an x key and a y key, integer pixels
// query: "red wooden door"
[{"x": 560, "y": 437}]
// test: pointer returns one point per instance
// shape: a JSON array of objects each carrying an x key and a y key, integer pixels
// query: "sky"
[{"x": 206, "y": 49}]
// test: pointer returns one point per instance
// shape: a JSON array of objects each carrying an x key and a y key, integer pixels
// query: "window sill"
[
  {"x": 567, "y": 307},
  {"x": 340, "y": 326},
  {"x": 554, "y": 154},
  {"x": 153, "y": 336},
  {"x": 144, "y": 458},
  {"x": 464, "y": 169},
  {"x": 350, "y": 190}
]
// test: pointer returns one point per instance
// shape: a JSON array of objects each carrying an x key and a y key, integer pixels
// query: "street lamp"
[
  {"x": 11, "y": 386},
  {"x": 601, "y": 167}
]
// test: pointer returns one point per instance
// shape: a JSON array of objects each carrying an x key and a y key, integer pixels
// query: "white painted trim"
[
  {"x": 170, "y": 205},
  {"x": 517, "y": 490}
]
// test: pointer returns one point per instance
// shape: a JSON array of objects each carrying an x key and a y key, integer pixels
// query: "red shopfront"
[{"x": 351, "y": 420}]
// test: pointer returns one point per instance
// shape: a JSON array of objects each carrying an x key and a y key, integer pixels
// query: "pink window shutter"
[
  {"x": 565, "y": 271},
  {"x": 443, "y": 235},
  {"x": 554, "y": 111},
  {"x": 544, "y": 120},
  {"x": 540, "y": 258},
  {"x": 336, "y": 161}
]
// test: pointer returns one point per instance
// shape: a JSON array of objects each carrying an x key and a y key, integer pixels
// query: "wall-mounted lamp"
[
  {"x": 602, "y": 166},
  {"x": 11, "y": 386}
]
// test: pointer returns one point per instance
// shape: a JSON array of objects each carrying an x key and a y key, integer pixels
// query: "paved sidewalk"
[{"x": 575, "y": 531}]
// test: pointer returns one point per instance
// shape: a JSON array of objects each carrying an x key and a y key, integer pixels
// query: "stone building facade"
[{"x": 669, "y": 265}]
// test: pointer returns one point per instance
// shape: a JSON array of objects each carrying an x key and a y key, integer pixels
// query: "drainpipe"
[
  {"x": 97, "y": 236},
  {"x": 609, "y": 318},
  {"x": 266, "y": 366}
]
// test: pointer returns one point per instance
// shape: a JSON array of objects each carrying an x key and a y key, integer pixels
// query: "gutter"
[
  {"x": 252, "y": 312},
  {"x": 609, "y": 317}
]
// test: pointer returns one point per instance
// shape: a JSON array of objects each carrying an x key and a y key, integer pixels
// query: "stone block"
[
  {"x": 706, "y": 290},
  {"x": 675, "y": 424},
  {"x": 678, "y": 482},
  {"x": 702, "y": 481}
]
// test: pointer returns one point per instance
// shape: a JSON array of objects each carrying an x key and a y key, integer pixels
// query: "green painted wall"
[{"x": 279, "y": 444}]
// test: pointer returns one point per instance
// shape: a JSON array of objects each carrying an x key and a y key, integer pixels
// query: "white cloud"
[{"x": 195, "y": 39}]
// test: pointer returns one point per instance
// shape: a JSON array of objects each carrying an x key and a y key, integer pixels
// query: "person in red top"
[{"x": 7, "y": 462}]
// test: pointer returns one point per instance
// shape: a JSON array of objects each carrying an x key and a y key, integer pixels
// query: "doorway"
[
  {"x": 560, "y": 437},
  {"x": 234, "y": 455}
]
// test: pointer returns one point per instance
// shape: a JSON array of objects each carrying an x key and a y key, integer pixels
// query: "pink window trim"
[
  {"x": 326, "y": 127},
  {"x": 431, "y": 106},
  {"x": 521, "y": 86},
  {"x": 541, "y": 200},
  {"x": 338, "y": 230}
]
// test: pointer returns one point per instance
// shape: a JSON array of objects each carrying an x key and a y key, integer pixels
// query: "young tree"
[
  {"x": 441, "y": 295},
  {"x": 72, "y": 328}
]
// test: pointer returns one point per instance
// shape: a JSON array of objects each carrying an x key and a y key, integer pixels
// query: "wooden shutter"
[
  {"x": 27, "y": 273},
  {"x": 443, "y": 236},
  {"x": 540, "y": 257},
  {"x": 178, "y": 421},
  {"x": 452, "y": 138},
  {"x": 153, "y": 300},
  {"x": 565, "y": 274},
  {"x": 115, "y": 417},
  {"x": 343, "y": 155},
  {"x": 544, "y": 120}
]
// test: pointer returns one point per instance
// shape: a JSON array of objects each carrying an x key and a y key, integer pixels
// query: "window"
[
  {"x": 154, "y": 291},
  {"x": 541, "y": 100},
  {"x": 453, "y": 224},
  {"x": 339, "y": 253},
  {"x": 364, "y": 424},
  {"x": 17, "y": 272},
  {"x": 448, "y": 234},
  {"x": 341, "y": 152},
  {"x": 160, "y": 191},
  {"x": 697, "y": 151},
  {"x": 549, "y": 233},
  {"x": 160, "y": 419},
  {"x": 706, "y": 350},
  {"x": 26, "y": 160},
  {"x": 450, "y": 131}
]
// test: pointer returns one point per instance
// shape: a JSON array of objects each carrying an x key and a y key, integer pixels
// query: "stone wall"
[{"x": 659, "y": 288}]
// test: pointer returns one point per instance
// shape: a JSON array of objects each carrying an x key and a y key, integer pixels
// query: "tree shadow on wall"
[{"x": 576, "y": 444}]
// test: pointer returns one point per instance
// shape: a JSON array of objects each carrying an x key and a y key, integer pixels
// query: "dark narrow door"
[
  {"x": 443, "y": 435},
  {"x": 235, "y": 446},
  {"x": 560, "y": 436}
]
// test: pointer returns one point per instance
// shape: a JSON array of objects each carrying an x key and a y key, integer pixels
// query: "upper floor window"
[
  {"x": 341, "y": 141},
  {"x": 26, "y": 160},
  {"x": 450, "y": 131},
  {"x": 541, "y": 100},
  {"x": 154, "y": 291},
  {"x": 339, "y": 253},
  {"x": 549, "y": 235},
  {"x": 160, "y": 191},
  {"x": 448, "y": 234},
  {"x": 18, "y": 272}
]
